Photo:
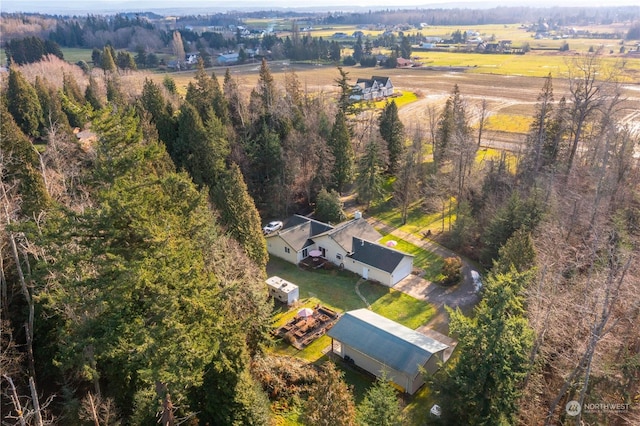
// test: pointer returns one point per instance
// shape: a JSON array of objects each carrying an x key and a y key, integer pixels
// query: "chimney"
[{"x": 357, "y": 215}]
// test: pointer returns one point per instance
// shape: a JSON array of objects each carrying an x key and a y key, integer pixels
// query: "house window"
[
  {"x": 338, "y": 256},
  {"x": 287, "y": 250},
  {"x": 305, "y": 253}
]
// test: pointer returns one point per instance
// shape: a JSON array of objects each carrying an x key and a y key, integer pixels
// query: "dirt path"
[{"x": 462, "y": 295}]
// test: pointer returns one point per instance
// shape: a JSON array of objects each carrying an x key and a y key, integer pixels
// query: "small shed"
[{"x": 283, "y": 290}]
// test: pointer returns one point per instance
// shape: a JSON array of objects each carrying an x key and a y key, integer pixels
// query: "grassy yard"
[
  {"x": 417, "y": 221},
  {"x": 404, "y": 99},
  {"x": 336, "y": 289},
  {"x": 423, "y": 259}
]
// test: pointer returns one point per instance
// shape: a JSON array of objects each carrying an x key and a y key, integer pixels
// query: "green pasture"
[
  {"x": 530, "y": 64},
  {"x": 74, "y": 55},
  {"x": 511, "y": 123}
]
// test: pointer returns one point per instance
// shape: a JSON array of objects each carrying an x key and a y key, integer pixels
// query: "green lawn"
[
  {"x": 430, "y": 262},
  {"x": 404, "y": 99},
  {"x": 417, "y": 221},
  {"x": 336, "y": 289}
]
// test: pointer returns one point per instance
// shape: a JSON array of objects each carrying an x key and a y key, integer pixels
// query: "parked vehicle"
[
  {"x": 477, "y": 282},
  {"x": 273, "y": 226}
]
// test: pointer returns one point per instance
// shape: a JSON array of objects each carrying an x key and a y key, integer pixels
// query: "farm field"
[{"x": 510, "y": 98}]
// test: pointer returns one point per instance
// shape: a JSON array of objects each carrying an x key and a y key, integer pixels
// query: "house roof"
[
  {"x": 376, "y": 255},
  {"x": 381, "y": 80},
  {"x": 297, "y": 231},
  {"x": 344, "y": 233},
  {"x": 386, "y": 341}
]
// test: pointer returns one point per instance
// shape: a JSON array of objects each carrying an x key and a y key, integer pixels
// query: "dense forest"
[{"x": 133, "y": 258}]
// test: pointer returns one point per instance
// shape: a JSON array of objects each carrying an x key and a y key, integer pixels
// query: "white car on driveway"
[{"x": 273, "y": 226}]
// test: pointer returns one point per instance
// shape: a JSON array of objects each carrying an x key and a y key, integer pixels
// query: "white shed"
[{"x": 283, "y": 290}]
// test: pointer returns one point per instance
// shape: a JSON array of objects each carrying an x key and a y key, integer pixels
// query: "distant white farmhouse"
[
  {"x": 374, "y": 88},
  {"x": 351, "y": 245}
]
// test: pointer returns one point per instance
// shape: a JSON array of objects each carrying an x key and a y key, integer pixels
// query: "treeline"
[
  {"x": 497, "y": 15},
  {"x": 31, "y": 49}
]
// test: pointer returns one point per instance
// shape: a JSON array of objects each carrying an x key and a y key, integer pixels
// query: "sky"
[{"x": 211, "y": 6}]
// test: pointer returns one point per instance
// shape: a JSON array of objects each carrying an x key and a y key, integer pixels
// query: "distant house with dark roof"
[
  {"x": 351, "y": 245},
  {"x": 378, "y": 344},
  {"x": 373, "y": 88}
]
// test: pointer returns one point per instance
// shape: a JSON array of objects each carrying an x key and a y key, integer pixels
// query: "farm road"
[{"x": 461, "y": 296}]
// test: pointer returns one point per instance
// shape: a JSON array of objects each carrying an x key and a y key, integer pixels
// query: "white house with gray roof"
[
  {"x": 351, "y": 245},
  {"x": 377, "y": 344}
]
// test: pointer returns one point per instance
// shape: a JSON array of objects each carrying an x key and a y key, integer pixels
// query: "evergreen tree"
[
  {"x": 392, "y": 131},
  {"x": 115, "y": 95},
  {"x": 340, "y": 145},
  {"x": 206, "y": 95},
  {"x": 405, "y": 48},
  {"x": 518, "y": 253},
  {"x": 265, "y": 168},
  {"x": 357, "y": 49},
  {"x": 125, "y": 61},
  {"x": 229, "y": 394},
  {"x": 464, "y": 227},
  {"x": 380, "y": 406},
  {"x": 23, "y": 103},
  {"x": 266, "y": 90},
  {"x": 107, "y": 63},
  {"x": 71, "y": 89},
  {"x": 170, "y": 84},
  {"x": 330, "y": 402},
  {"x": 447, "y": 122},
  {"x": 329, "y": 207},
  {"x": 201, "y": 148},
  {"x": 539, "y": 132},
  {"x": 370, "y": 181},
  {"x": 345, "y": 103},
  {"x": 152, "y": 303},
  {"x": 52, "y": 112},
  {"x": 236, "y": 107},
  {"x": 335, "y": 52},
  {"x": 516, "y": 214},
  {"x": 484, "y": 385},
  {"x": 91, "y": 94},
  {"x": 20, "y": 165},
  {"x": 161, "y": 114},
  {"x": 239, "y": 215}
]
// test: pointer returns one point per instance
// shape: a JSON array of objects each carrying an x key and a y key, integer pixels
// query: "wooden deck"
[{"x": 301, "y": 332}]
